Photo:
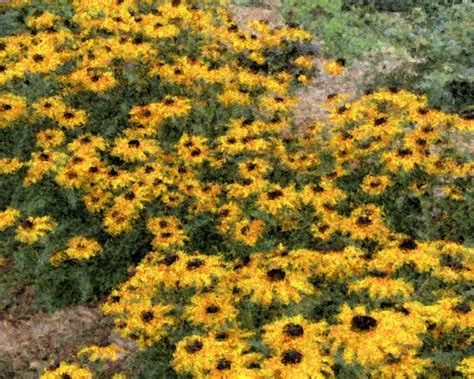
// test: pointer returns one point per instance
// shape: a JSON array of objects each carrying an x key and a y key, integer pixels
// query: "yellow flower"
[
  {"x": 8, "y": 217},
  {"x": 466, "y": 367},
  {"x": 306, "y": 62},
  {"x": 66, "y": 370},
  {"x": 274, "y": 278},
  {"x": 375, "y": 185},
  {"x": 248, "y": 232},
  {"x": 44, "y": 21},
  {"x": 333, "y": 68},
  {"x": 71, "y": 118},
  {"x": 110, "y": 352},
  {"x": 192, "y": 149},
  {"x": 33, "y": 228},
  {"x": 211, "y": 309},
  {"x": 167, "y": 232},
  {"x": 381, "y": 287},
  {"x": 50, "y": 138},
  {"x": 11, "y": 108},
  {"x": 372, "y": 337},
  {"x": 79, "y": 248},
  {"x": 9, "y": 165},
  {"x": 276, "y": 198}
]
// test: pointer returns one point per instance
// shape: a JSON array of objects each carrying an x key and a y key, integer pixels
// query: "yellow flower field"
[{"x": 144, "y": 167}]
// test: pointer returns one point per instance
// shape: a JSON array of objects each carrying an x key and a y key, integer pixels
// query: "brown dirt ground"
[{"x": 30, "y": 342}]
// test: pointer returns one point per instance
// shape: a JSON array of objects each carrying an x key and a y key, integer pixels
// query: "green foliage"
[{"x": 432, "y": 40}]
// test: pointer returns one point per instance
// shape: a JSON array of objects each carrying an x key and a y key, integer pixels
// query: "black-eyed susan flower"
[
  {"x": 9, "y": 165},
  {"x": 466, "y": 366},
  {"x": 66, "y": 370},
  {"x": 33, "y": 228},
  {"x": 71, "y": 118},
  {"x": 167, "y": 232},
  {"x": 79, "y": 248},
  {"x": 333, "y": 68},
  {"x": 50, "y": 138},
  {"x": 380, "y": 287},
  {"x": 269, "y": 279},
  {"x": 248, "y": 232},
  {"x": 11, "y": 108},
  {"x": 111, "y": 352},
  {"x": 375, "y": 185},
  {"x": 211, "y": 309},
  {"x": 8, "y": 217},
  {"x": 371, "y": 337},
  {"x": 192, "y": 149},
  {"x": 367, "y": 222},
  {"x": 276, "y": 197}
]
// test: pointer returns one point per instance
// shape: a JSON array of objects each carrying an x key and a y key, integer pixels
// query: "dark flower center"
[
  {"x": 379, "y": 274},
  {"x": 146, "y": 113},
  {"x": 380, "y": 121},
  {"x": 376, "y": 183},
  {"x": 251, "y": 166},
  {"x": 342, "y": 109},
  {"x": 196, "y": 152},
  {"x": 317, "y": 188},
  {"x": 113, "y": 172},
  {"x": 422, "y": 111},
  {"x": 194, "y": 263},
  {"x": 323, "y": 228},
  {"x": 276, "y": 274},
  {"x": 221, "y": 336},
  {"x": 364, "y": 220},
  {"x": 272, "y": 195},
  {"x": 363, "y": 323},
  {"x": 170, "y": 259},
  {"x": 293, "y": 330},
  {"x": 223, "y": 364},
  {"x": 404, "y": 152},
  {"x": 291, "y": 357},
  {"x": 65, "y": 376},
  {"x": 253, "y": 365},
  {"x": 38, "y": 58},
  {"x": 134, "y": 143},
  {"x": 462, "y": 307},
  {"x": 408, "y": 244},
  {"x": 194, "y": 347},
  {"x": 68, "y": 115},
  {"x": 93, "y": 169},
  {"x": 115, "y": 299},
  {"x": 147, "y": 316},
  {"x": 27, "y": 224},
  {"x": 6, "y": 107},
  {"x": 212, "y": 309},
  {"x": 341, "y": 61},
  {"x": 129, "y": 196}
]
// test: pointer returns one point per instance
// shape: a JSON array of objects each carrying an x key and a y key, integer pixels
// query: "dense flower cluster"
[{"x": 269, "y": 256}]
